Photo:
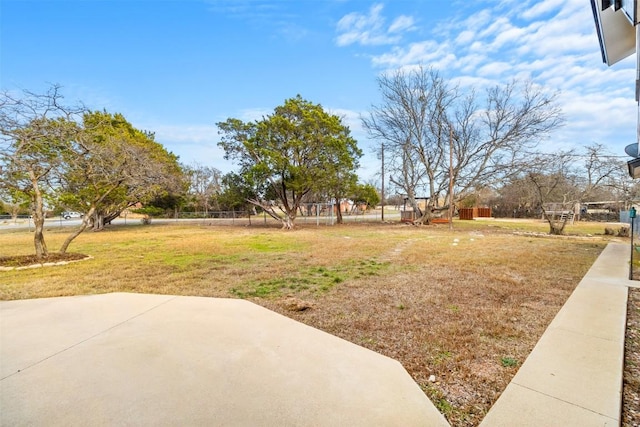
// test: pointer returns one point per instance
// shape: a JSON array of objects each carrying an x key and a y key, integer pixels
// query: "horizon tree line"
[{"x": 455, "y": 145}]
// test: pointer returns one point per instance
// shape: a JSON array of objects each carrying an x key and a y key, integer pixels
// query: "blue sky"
[{"x": 178, "y": 67}]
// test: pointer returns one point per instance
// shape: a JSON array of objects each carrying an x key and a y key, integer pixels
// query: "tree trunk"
[
  {"x": 14, "y": 212},
  {"x": 555, "y": 227},
  {"x": 431, "y": 202},
  {"x": 288, "y": 222},
  {"x": 98, "y": 222},
  {"x": 69, "y": 239},
  {"x": 38, "y": 237},
  {"x": 425, "y": 219},
  {"x": 338, "y": 212},
  {"x": 426, "y": 215},
  {"x": 38, "y": 218},
  {"x": 107, "y": 219}
]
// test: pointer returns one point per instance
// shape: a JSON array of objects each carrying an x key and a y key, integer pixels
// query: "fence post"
[{"x": 331, "y": 214}]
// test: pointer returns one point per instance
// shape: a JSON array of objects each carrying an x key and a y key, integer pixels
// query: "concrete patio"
[{"x": 132, "y": 359}]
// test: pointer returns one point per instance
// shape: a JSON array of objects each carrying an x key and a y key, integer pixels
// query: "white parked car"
[{"x": 69, "y": 215}]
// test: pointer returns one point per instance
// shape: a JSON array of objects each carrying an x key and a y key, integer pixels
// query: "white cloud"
[
  {"x": 350, "y": 118},
  {"x": 497, "y": 27},
  {"x": 472, "y": 82},
  {"x": 465, "y": 37},
  {"x": 467, "y": 64},
  {"x": 474, "y": 23},
  {"x": 479, "y": 47},
  {"x": 370, "y": 29},
  {"x": 595, "y": 118},
  {"x": 495, "y": 69},
  {"x": 252, "y": 114},
  {"x": 186, "y": 133},
  {"x": 551, "y": 43},
  {"x": 539, "y": 9},
  {"x": 507, "y": 35},
  {"x": 402, "y": 23},
  {"x": 427, "y": 51}
]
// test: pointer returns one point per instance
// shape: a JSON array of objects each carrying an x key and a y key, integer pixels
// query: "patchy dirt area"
[
  {"x": 26, "y": 261},
  {"x": 631, "y": 391}
]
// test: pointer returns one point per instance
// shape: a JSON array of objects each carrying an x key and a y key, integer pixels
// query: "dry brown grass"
[{"x": 465, "y": 307}]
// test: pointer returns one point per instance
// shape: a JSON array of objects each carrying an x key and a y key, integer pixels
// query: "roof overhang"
[
  {"x": 631, "y": 8},
  {"x": 615, "y": 27},
  {"x": 634, "y": 168}
]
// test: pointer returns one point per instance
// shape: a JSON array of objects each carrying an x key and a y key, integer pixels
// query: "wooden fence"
[{"x": 471, "y": 213}]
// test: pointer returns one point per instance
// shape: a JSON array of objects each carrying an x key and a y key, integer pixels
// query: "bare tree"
[
  {"x": 406, "y": 123},
  {"x": 429, "y": 123},
  {"x": 602, "y": 170},
  {"x": 564, "y": 180},
  {"x": 204, "y": 184},
  {"x": 517, "y": 198},
  {"x": 554, "y": 181}
]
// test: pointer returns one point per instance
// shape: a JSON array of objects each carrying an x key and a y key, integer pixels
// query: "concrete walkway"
[
  {"x": 573, "y": 376},
  {"x": 131, "y": 359}
]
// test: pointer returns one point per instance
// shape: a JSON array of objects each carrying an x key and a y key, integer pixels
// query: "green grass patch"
[
  {"x": 508, "y": 362},
  {"x": 443, "y": 406},
  {"x": 315, "y": 279}
]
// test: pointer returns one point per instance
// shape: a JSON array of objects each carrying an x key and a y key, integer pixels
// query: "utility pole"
[
  {"x": 632, "y": 217},
  {"x": 450, "y": 178},
  {"x": 382, "y": 186}
]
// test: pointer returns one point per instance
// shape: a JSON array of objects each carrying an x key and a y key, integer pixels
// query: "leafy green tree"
[
  {"x": 13, "y": 202},
  {"x": 169, "y": 203},
  {"x": 122, "y": 167},
  {"x": 235, "y": 193},
  {"x": 340, "y": 181},
  {"x": 298, "y": 149},
  {"x": 366, "y": 194},
  {"x": 93, "y": 162}
]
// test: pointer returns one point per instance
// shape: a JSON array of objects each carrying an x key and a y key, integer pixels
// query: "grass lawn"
[{"x": 459, "y": 309}]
